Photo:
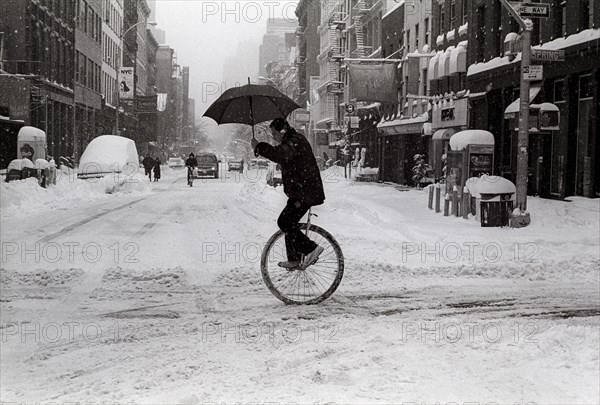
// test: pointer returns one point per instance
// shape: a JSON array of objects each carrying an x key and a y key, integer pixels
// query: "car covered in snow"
[
  {"x": 258, "y": 163},
  {"x": 108, "y": 154},
  {"x": 235, "y": 165},
  {"x": 208, "y": 165},
  {"x": 175, "y": 163}
]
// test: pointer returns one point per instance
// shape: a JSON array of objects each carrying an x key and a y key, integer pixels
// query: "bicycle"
[{"x": 300, "y": 286}]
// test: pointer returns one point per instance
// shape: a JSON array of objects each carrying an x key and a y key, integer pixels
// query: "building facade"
[
  {"x": 112, "y": 28},
  {"x": 38, "y": 58},
  {"x": 88, "y": 73},
  {"x": 563, "y": 160}
]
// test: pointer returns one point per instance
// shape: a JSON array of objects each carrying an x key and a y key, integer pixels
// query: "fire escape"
[
  {"x": 335, "y": 56},
  {"x": 361, "y": 9}
]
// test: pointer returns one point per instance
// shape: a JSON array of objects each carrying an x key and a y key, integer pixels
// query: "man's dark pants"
[{"x": 296, "y": 242}]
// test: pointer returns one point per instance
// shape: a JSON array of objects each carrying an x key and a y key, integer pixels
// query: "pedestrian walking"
[
  {"x": 148, "y": 163},
  {"x": 157, "y": 169}
]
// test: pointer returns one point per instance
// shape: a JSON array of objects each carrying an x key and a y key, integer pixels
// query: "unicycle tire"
[{"x": 303, "y": 287}]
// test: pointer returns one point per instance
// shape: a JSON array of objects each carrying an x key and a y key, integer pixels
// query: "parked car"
[
  {"x": 108, "y": 154},
  {"x": 208, "y": 165},
  {"x": 258, "y": 163},
  {"x": 176, "y": 163},
  {"x": 274, "y": 175},
  {"x": 235, "y": 165}
]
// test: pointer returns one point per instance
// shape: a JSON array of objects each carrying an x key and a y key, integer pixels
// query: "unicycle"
[{"x": 300, "y": 286}]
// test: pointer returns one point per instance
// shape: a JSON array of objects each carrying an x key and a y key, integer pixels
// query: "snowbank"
[{"x": 25, "y": 197}]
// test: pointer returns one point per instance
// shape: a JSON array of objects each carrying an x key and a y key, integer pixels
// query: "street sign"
[
  {"x": 547, "y": 55},
  {"x": 534, "y": 10},
  {"x": 533, "y": 73}
]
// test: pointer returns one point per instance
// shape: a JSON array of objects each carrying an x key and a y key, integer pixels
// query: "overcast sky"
[{"x": 205, "y": 33}]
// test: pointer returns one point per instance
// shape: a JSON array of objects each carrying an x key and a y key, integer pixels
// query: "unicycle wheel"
[{"x": 312, "y": 285}]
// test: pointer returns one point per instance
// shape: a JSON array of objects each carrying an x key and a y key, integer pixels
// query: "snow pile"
[
  {"x": 121, "y": 183},
  {"x": 26, "y": 197},
  {"x": 259, "y": 193}
]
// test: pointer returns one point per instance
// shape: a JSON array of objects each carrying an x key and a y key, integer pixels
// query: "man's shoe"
[
  {"x": 289, "y": 265},
  {"x": 312, "y": 257}
]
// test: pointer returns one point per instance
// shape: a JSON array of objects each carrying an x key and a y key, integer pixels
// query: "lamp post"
[
  {"x": 118, "y": 67},
  {"x": 523, "y": 138}
]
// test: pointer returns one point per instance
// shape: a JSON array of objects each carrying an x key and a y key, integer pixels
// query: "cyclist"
[
  {"x": 191, "y": 163},
  {"x": 301, "y": 183}
]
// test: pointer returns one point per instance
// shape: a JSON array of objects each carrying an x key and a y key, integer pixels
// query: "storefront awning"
[
  {"x": 443, "y": 134},
  {"x": 432, "y": 72},
  {"x": 458, "y": 60},
  {"x": 403, "y": 126},
  {"x": 513, "y": 107}
]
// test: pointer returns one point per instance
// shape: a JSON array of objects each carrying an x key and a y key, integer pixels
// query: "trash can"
[
  {"x": 496, "y": 209},
  {"x": 497, "y": 199}
]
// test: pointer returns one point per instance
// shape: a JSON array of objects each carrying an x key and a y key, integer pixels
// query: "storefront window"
[{"x": 584, "y": 130}]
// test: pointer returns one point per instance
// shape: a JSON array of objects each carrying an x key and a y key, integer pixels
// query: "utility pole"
[{"x": 524, "y": 218}]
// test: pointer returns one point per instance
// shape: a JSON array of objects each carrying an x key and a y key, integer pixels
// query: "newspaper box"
[
  {"x": 497, "y": 198},
  {"x": 471, "y": 154}
]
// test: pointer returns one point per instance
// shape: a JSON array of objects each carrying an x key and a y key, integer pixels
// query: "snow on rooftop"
[
  {"x": 575, "y": 39},
  {"x": 559, "y": 43}
]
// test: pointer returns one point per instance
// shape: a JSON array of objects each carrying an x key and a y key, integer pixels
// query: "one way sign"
[{"x": 533, "y": 10}]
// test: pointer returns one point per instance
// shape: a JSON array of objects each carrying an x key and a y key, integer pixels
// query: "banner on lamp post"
[{"x": 126, "y": 83}]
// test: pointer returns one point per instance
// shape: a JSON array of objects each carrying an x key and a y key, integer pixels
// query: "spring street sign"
[
  {"x": 534, "y": 10},
  {"x": 548, "y": 55}
]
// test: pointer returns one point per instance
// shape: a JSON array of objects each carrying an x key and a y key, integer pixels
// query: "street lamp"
[{"x": 119, "y": 64}]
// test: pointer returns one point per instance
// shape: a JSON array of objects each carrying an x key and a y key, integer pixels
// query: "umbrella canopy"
[{"x": 250, "y": 104}]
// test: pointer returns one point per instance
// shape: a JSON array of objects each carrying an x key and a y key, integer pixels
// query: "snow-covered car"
[
  {"x": 208, "y": 165},
  {"x": 235, "y": 165},
  {"x": 176, "y": 163},
  {"x": 108, "y": 154},
  {"x": 274, "y": 175},
  {"x": 257, "y": 163}
]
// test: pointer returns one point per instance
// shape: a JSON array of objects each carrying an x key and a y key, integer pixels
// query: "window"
[
  {"x": 559, "y": 88},
  {"x": 465, "y": 12},
  {"x": 442, "y": 25},
  {"x": 425, "y": 82},
  {"x": 563, "y": 18},
  {"x": 498, "y": 29},
  {"x": 452, "y": 13},
  {"x": 407, "y": 40},
  {"x": 584, "y": 14},
  {"x": 585, "y": 87},
  {"x": 426, "y": 22},
  {"x": 417, "y": 37},
  {"x": 480, "y": 33}
]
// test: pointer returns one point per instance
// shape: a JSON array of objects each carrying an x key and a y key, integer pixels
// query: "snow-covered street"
[{"x": 154, "y": 295}]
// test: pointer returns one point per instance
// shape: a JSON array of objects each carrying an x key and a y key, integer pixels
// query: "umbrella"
[{"x": 250, "y": 104}]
